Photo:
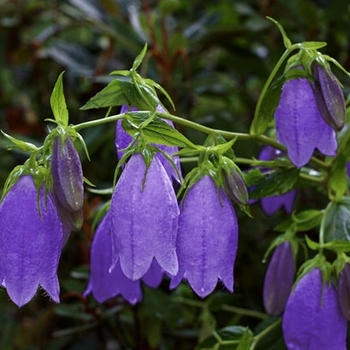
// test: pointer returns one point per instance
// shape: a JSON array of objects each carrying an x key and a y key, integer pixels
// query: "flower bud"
[
  {"x": 235, "y": 186},
  {"x": 279, "y": 279},
  {"x": 67, "y": 174},
  {"x": 329, "y": 96},
  {"x": 344, "y": 290},
  {"x": 312, "y": 319}
]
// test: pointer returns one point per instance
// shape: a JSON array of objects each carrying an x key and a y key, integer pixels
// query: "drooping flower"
[
  {"x": 207, "y": 238},
  {"x": 329, "y": 96},
  {"x": 144, "y": 218},
  {"x": 30, "y": 242},
  {"x": 312, "y": 318},
  {"x": 154, "y": 276},
  {"x": 105, "y": 283},
  {"x": 272, "y": 204},
  {"x": 299, "y": 124},
  {"x": 344, "y": 290},
  {"x": 123, "y": 140},
  {"x": 279, "y": 279},
  {"x": 67, "y": 178}
]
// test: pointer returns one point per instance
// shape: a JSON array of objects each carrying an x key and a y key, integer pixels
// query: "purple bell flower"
[
  {"x": 103, "y": 283},
  {"x": 30, "y": 242},
  {"x": 279, "y": 279},
  {"x": 144, "y": 218},
  {"x": 68, "y": 184},
  {"x": 344, "y": 290},
  {"x": 154, "y": 276},
  {"x": 123, "y": 140},
  {"x": 299, "y": 124},
  {"x": 312, "y": 318},
  {"x": 272, "y": 204},
  {"x": 207, "y": 238}
]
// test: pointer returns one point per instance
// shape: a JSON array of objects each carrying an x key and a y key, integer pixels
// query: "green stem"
[
  {"x": 262, "y": 334},
  {"x": 245, "y": 312},
  {"x": 96, "y": 122},
  {"x": 323, "y": 224}
]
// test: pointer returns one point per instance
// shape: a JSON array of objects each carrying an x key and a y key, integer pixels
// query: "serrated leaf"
[
  {"x": 58, "y": 102},
  {"x": 337, "y": 221},
  {"x": 275, "y": 182},
  {"x": 119, "y": 92}
]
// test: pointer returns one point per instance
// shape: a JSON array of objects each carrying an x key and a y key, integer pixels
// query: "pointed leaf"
[{"x": 58, "y": 102}]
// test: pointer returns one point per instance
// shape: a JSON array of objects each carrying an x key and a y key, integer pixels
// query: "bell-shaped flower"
[
  {"x": 299, "y": 124},
  {"x": 312, "y": 318},
  {"x": 207, "y": 238},
  {"x": 68, "y": 185},
  {"x": 105, "y": 283},
  {"x": 30, "y": 242},
  {"x": 344, "y": 290},
  {"x": 145, "y": 214},
  {"x": 272, "y": 204},
  {"x": 123, "y": 140},
  {"x": 154, "y": 276},
  {"x": 329, "y": 96},
  {"x": 279, "y": 279}
]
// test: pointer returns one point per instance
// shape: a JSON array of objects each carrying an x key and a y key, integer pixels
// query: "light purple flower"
[
  {"x": 207, "y": 238},
  {"x": 103, "y": 283},
  {"x": 272, "y": 204},
  {"x": 144, "y": 218},
  {"x": 68, "y": 184},
  {"x": 30, "y": 242},
  {"x": 312, "y": 318},
  {"x": 123, "y": 140},
  {"x": 299, "y": 125},
  {"x": 279, "y": 279}
]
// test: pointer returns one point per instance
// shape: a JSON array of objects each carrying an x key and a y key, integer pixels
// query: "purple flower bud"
[
  {"x": 312, "y": 319},
  {"x": 279, "y": 279},
  {"x": 30, "y": 242},
  {"x": 144, "y": 218},
  {"x": 67, "y": 174},
  {"x": 236, "y": 187},
  {"x": 103, "y": 283},
  {"x": 329, "y": 96},
  {"x": 207, "y": 238},
  {"x": 344, "y": 290},
  {"x": 299, "y": 125},
  {"x": 123, "y": 140}
]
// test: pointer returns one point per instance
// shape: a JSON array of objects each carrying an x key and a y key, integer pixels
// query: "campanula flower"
[
  {"x": 272, "y": 204},
  {"x": 312, "y": 318},
  {"x": 207, "y": 238},
  {"x": 68, "y": 184},
  {"x": 30, "y": 242},
  {"x": 145, "y": 214},
  {"x": 123, "y": 140},
  {"x": 105, "y": 283},
  {"x": 344, "y": 290},
  {"x": 299, "y": 124},
  {"x": 279, "y": 279},
  {"x": 329, "y": 96}
]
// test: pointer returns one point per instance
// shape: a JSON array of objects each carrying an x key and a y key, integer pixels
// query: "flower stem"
[
  {"x": 245, "y": 312},
  {"x": 262, "y": 334}
]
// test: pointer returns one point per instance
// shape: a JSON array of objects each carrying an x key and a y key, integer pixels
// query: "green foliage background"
[{"x": 213, "y": 58}]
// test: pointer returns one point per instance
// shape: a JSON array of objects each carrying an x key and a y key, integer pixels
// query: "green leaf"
[
  {"x": 276, "y": 182},
  {"x": 268, "y": 107},
  {"x": 338, "y": 246},
  {"x": 138, "y": 60},
  {"x": 58, "y": 103},
  {"x": 308, "y": 219},
  {"x": 157, "y": 131},
  {"x": 313, "y": 45},
  {"x": 337, "y": 221},
  {"x": 246, "y": 340},
  {"x": 287, "y": 43},
  {"x": 311, "y": 244},
  {"x": 21, "y": 145},
  {"x": 119, "y": 92}
]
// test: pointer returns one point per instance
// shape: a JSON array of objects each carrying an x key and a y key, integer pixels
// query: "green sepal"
[
  {"x": 19, "y": 144},
  {"x": 287, "y": 43},
  {"x": 58, "y": 103},
  {"x": 312, "y": 45},
  {"x": 139, "y": 58}
]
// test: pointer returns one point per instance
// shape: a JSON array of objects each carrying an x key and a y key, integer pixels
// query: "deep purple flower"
[
  {"x": 144, "y": 218},
  {"x": 329, "y": 96},
  {"x": 272, "y": 204},
  {"x": 154, "y": 276},
  {"x": 105, "y": 283},
  {"x": 207, "y": 238},
  {"x": 344, "y": 290},
  {"x": 68, "y": 185},
  {"x": 30, "y": 242},
  {"x": 312, "y": 318},
  {"x": 123, "y": 140},
  {"x": 279, "y": 279},
  {"x": 299, "y": 125}
]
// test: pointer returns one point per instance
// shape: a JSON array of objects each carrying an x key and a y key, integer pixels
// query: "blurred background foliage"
[{"x": 213, "y": 58}]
